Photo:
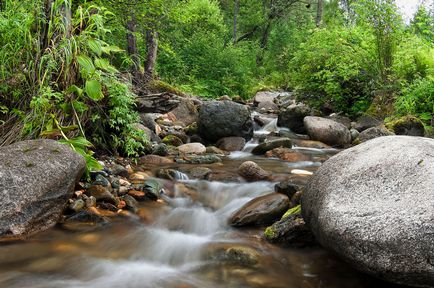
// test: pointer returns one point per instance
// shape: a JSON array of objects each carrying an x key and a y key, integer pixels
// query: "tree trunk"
[
  {"x": 132, "y": 50},
  {"x": 319, "y": 12},
  {"x": 151, "y": 56},
  {"x": 236, "y": 8},
  {"x": 46, "y": 23}
]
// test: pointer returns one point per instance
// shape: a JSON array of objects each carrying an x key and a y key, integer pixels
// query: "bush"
[
  {"x": 413, "y": 59},
  {"x": 335, "y": 66},
  {"x": 417, "y": 99}
]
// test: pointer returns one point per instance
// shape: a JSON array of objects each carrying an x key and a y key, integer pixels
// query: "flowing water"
[{"x": 183, "y": 243}]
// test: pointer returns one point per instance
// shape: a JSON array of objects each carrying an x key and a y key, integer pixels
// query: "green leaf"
[
  {"x": 94, "y": 90},
  {"x": 104, "y": 64},
  {"x": 95, "y": 46},
  {"x": 75, "y": 89},
  {"x": 86, "y": 64},
  {"x": 79, "y": 106},
  {"x": 80, "y": 142},
  {"x": 111, "y": 49}
]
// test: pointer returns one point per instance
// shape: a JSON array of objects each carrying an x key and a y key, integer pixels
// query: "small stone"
[
  {"x": 90, "y": 201},
  {"x": 101, "y": 180},
  {"x": 290, "y": 230},
  {"x": 152, "y": 188},
  {"x": 192, "y": 148},
  {"x": 77, "y": 205},
  {"x": 251, "y": 171},
  {"x": 200, "y": 159},
  {"x": 131, "y": 204},
  {"x": 287, "y": 188},
  {"x": 270, "y": 145},
  {"x": 101, "y": 193},
  {"x": 138, "y": 195},
  {"x": 122, "y": 190},
  {"x": 119, "y": 170},
  {"x": 288, "y": 155},
  {"x": 122, "y": 204}
]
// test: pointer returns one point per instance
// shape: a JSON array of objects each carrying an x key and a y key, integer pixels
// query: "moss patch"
[{"x": 292, "y": 211}]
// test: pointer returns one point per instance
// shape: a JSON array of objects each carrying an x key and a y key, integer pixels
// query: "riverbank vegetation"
[{"x": 71, "y": 69}]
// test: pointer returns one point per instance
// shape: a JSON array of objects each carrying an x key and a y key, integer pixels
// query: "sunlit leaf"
[{"x": 94, "y": 90}]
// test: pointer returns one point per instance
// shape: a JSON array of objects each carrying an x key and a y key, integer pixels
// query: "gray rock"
[
  {"x": 199, "y": 159},
  {"x": 374, "y": 132},
  {"x": 366, "y": 122},
  {"x": 354, "y": 134},
  {"x": 152, "y": 188},
  {"x": 262, "y": 210},
  {"x": 265, "y": 96},
  {"x": 373, "y": 205},
  {"x": 272, "y": 144},
  {"x": 341, "y": 119},
  {"x": 231, "y": 143},
  {"x": 36, "y": 180},
  {"x": 267, "y": 106},
  {"x": 292, "y": 117},
  {"x": 327, "y": 131},
  {"x": 218, "y": 119}
]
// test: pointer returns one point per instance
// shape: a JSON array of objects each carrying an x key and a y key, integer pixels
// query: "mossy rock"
[
  {"x": 191, "y": 129},
  {"x": 407, "y": 125},
  {"x": 172, "y": 140},
  {"x": 161, "y": 86},
  {"x": 292, "y": 211}
]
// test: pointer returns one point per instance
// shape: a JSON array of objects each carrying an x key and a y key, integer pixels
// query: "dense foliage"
[{"x": 66, "y": 66}]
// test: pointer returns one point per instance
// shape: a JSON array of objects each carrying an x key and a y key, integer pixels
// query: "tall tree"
[
  {"x": 236, "y": 8},
  {"x": 319, "y": 12}
]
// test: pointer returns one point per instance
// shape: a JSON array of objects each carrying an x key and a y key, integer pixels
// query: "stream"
[{"x": 185, "y": 242}]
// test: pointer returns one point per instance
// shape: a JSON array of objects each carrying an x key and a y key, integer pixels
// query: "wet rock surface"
[{"x": 261, "y": 211}]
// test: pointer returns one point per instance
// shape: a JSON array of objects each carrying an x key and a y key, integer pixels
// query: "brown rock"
[
  {"x": 251, "y": 171},
  {"x": 262, "y": 210},
  {"x": 287, "y": 155},
  {"x": 154, "y": 160},
  {"x": 192, "y": 148}
]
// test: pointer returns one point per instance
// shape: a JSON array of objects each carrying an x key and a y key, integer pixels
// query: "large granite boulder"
[
  {"x": 373, "y": 205},
  {"x": 327, "y": 131},
  {"x": 218, "y": 119},
  {"x": 36, "y": 180}
]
